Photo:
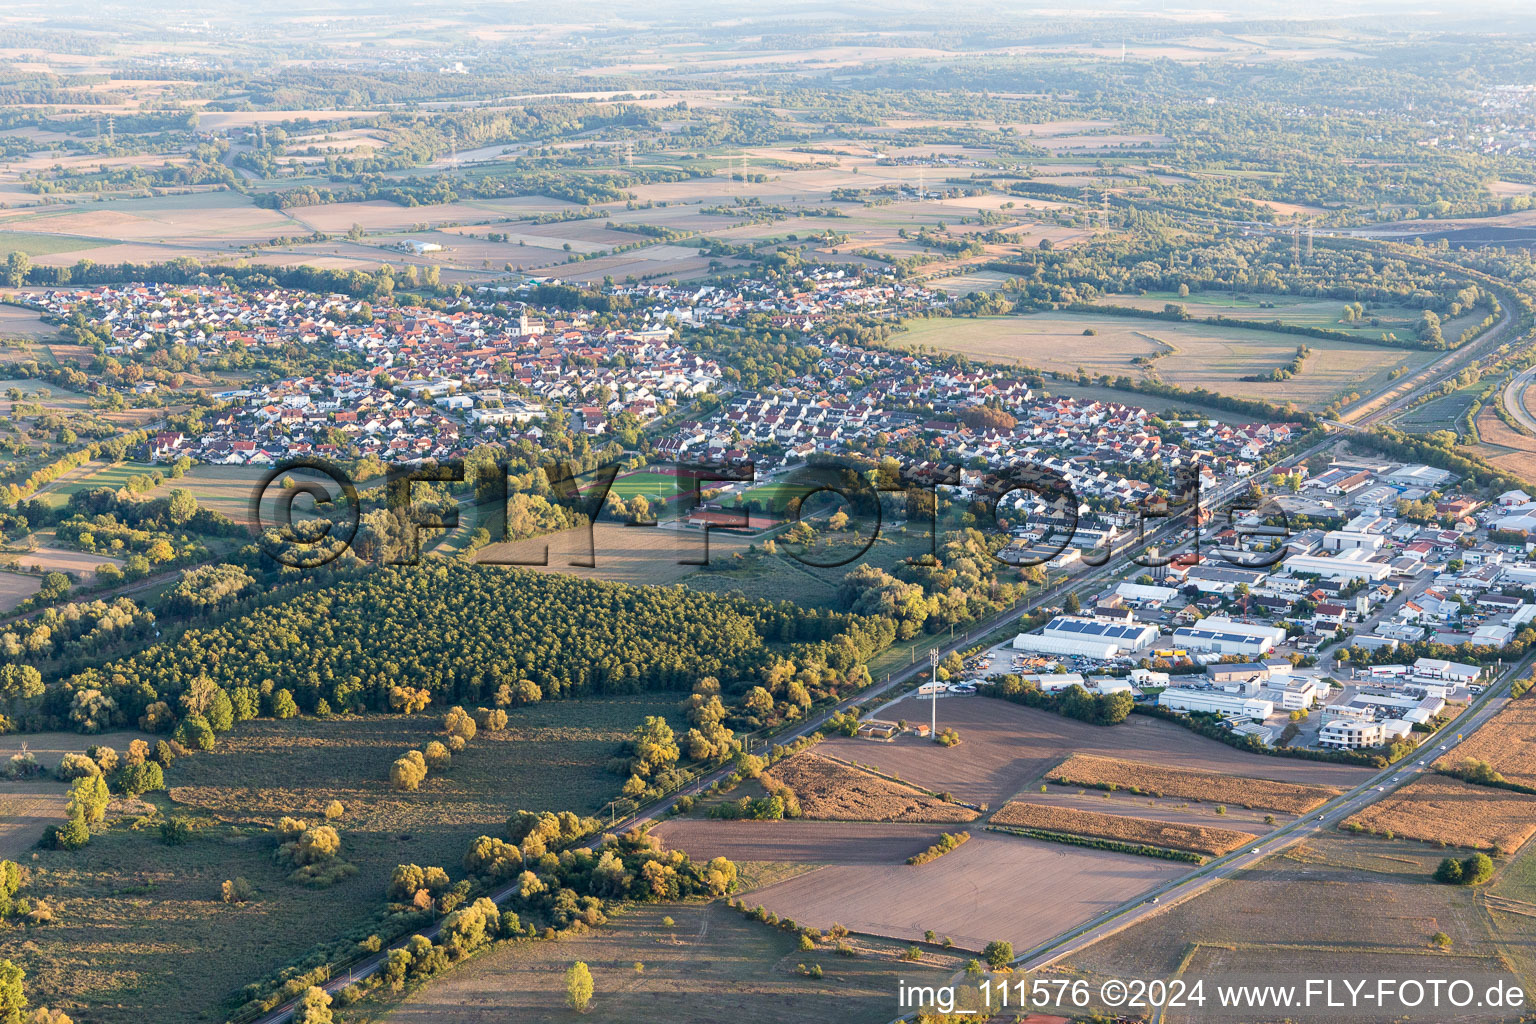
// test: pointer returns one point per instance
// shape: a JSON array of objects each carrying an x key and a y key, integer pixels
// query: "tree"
[
  {"x": 314, "y": 1007},
  {"x": 71, "y": 835},
  {"x": 1476, "y": 869},
  {"x": 1449, "y": 871},
  {"x": 437, "y": 756},
  {"x": 89, "y": 797},
  {"x": 578, "y": 987},
  {"x": 1071, "y": 605},
  {"x": 13, "y": 996},
  {"x": 283, "y": 705},
  {"x": 181, "y": 506},
  {"x": 457, "y": 722},
  {"x": 16, "y": 266},
  {"x": 999, "y": 954}
]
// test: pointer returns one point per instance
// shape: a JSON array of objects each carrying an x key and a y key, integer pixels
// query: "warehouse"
[
  {"x": 1223, "y": 636},
  {"x": 1351, "y": 565},
  {"x": 1129, "y": 636},
  {"x": 1214, "y": 702},
  {"x": 1037, "y": 643}
]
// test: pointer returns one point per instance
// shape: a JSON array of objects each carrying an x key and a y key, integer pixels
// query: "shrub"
[
  {"x": 947, "y": 842},
  {"x": 175, "y": 831},
  {"x": 457, "y": 722},
  {"x": 334, "y": 810},
  {"x": 236, "y": 890},
  {"x": 437, "y": 756},
  {"x": 408, "y": 771},
  {"x": 76, "y": 766}
]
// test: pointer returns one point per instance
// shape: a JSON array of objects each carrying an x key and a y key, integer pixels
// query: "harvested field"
[
  {"x": 52, "y": 559},
  {"x": 800, "y": 842},
  {"x": 26, "y": 808},
  {"x": 1507, "y": 742},
  {"x": 1203, "y": 355},
  {"x": 1361, "y": 899},
  {"x": 993, "y": 887},
  {"x": 1121, "y": 828},
  {"x": 1240, "y": 963},
  {"x": 1006, "y": 746},
  {"x": 1159, "y": 780},
  {"x": 624, "y": 554},
  {"x": 833, "y": 791},
  {"x": 1437, "y": 809},
  {"x": 16, "y": 587}
]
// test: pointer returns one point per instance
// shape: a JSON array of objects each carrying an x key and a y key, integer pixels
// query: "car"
[
  {"x": 1380, "y": 789},
  {"x": 1444, "y": 747}
]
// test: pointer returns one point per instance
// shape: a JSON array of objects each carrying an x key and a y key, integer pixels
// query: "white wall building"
[
  {"x": 1214, "y": 702},
  {"x": 1036, "y": 643}
]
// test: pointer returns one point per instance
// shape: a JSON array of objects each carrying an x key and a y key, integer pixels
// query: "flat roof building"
[
  {"x": 1214, "y": 702},
  {"x": 1129, "y": 636}
]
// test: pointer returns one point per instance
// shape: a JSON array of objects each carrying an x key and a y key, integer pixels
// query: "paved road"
[{"x": 1514, "y": 398}]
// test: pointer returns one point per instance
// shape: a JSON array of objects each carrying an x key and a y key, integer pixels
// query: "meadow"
[
  {"x": 711, "y": 964},
  {"x": 141, "y": 923}
]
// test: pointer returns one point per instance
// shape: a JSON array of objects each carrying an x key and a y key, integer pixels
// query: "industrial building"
[
  {"x": 1038, "y": 643},
  {"x": 1224, "y": 636},
  {"x": 1128, "y": 636},
  {"x": 1351, "y": 565},
  {"x": 1214, "y": 702}
]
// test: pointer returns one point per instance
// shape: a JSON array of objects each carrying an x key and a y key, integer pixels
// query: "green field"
[
  {"x": 36, "y": 244},
  {"x": 141, "y": 923}
]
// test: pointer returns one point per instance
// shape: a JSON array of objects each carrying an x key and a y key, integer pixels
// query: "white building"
[
  {"x": 1347, "y": 540},
  {"x": 1036, "y": 643},
  {"x": 1214, "y": 702},
  {"x": 1143, "y": 595},
  {"x": 1053, "y": 682},
  {"x": 1129, "y": 636},
  {"x": 1451, "y": 671},
  {"x": 1350, "y": 734},
  {"x": 1224, "y": 636},
  {"x": 1351, "y": 565}
]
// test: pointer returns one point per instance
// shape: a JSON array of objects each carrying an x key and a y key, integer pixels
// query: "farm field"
[
  {"x": 136, "y": 908},
  {"x": 1357, "y": 897},
  {"x": 1121, "y": 828},
  {"x": 53, "y": 559},
  {"x": 1243, "y": 962},
  {"x": 1507, "y": 742},
  {"x": 1300, "y": 310},
  {"x": 966, "y": 893},
  {"x": 831, "y": 790},
  {"x": 712, "y": 965},
  {"x": 1441, "y": 810},
  {"x": 26, "y": 809},
  {"x": 16, "y": 587},
  {"x": 1006, "y": 746},
  {"x": 1159, "y": 780},
  {"x": 621, "y": 553},
  {"x": 18, "y": 322},
  {"x": 1204, "y": 356},
  {"x": 798, "y": 841},
  {"x": 1505, "y": 449}
]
